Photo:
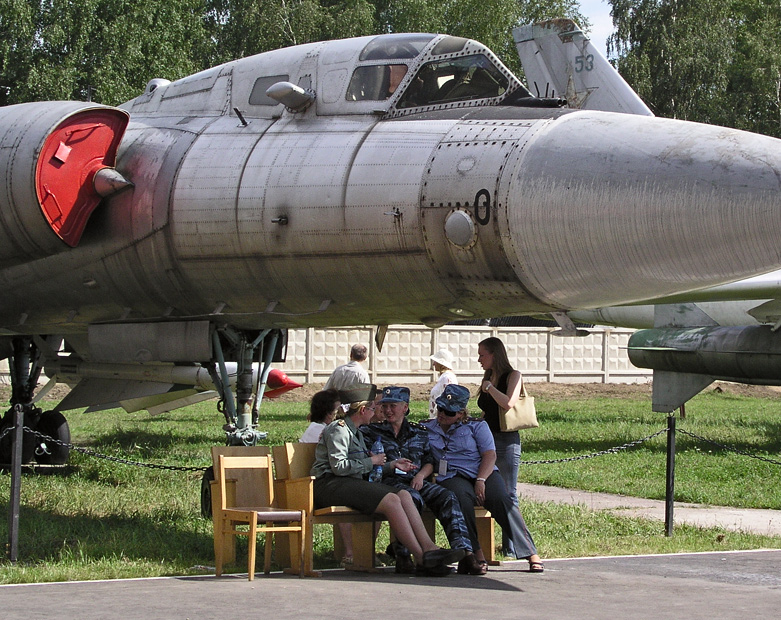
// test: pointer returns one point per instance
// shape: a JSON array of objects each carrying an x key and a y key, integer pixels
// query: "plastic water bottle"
[{"x": 376, "y": 473}]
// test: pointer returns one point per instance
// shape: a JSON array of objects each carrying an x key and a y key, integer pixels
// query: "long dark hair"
[
  {"x": 322, "y": 404},
  {"x": 501, "y": 365}
]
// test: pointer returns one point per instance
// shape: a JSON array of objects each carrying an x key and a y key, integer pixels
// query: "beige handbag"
[{"x": 521, "y": 415}]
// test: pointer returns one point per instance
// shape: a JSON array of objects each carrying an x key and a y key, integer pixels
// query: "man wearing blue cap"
[
  {"x": 409, "y": 464},
  {"x": 465, "y": 456}
]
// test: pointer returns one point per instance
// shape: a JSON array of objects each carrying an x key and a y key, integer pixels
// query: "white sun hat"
[{"x": 444, "y": 357}]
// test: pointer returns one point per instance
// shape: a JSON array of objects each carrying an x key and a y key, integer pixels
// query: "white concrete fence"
[{"x": 599, "y": 357}]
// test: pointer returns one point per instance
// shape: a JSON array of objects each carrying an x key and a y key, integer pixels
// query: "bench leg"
[
  {"x": 485, "y": 534},
  {"x": 430, "y": 523},
  {"x": 363, "y": 546}
]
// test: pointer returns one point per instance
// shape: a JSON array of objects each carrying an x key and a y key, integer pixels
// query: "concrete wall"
[{"x": 599, "y": 357}]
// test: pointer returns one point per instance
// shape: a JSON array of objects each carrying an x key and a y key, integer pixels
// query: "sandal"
[
  {"x": 346, "y": 562},
  {"x": 536, "y": 567}
]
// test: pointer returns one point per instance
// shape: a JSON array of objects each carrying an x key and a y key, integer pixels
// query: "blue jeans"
[{"x": 508, "y": 461}]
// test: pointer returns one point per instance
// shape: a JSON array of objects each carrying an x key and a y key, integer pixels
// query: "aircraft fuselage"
[{"x": 377, "y": 211}]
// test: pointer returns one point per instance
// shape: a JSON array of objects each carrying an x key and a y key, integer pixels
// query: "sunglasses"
[{"x": 449, "y": 414}]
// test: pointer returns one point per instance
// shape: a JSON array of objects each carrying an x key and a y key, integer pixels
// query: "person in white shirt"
[
  {"x": 351, "y": 373},
  {"x": 443, "y": 362},
  {"x": 322, "y": 410}
]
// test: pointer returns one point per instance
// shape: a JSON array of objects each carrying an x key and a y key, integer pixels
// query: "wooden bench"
[{"x": 293, "y": 488}]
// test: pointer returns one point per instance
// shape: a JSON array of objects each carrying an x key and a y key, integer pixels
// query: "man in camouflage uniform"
[{"x": 409, "y": 463}]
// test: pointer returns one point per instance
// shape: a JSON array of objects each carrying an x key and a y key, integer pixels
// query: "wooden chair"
[
  {"x": 247, "y": 494},
  {"x": 268, "y": 519}
]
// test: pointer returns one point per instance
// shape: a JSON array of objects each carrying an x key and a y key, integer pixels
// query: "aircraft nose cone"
[{"x": 643, "y": 206}]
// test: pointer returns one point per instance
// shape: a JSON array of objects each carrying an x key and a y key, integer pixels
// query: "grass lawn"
[{"x": 100, "y": 519}]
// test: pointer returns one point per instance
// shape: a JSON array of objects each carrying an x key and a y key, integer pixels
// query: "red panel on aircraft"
[{"x": 80, "y": 146}]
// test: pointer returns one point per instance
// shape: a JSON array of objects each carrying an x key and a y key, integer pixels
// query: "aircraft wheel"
[
  {"x": 206, "y": 493},
  {"x": 53, "y": 424}
]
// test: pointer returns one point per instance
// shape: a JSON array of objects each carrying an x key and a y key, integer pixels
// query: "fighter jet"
[
  {"x": 399, "y": 178},
  {"x": 728, "y": 332}
]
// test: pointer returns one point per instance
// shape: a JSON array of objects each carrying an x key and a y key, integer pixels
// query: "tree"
[
  {"x": 244, "y": 27},
  {"x": 716, "y": 62},
  {"x": 101, "y": 49}
]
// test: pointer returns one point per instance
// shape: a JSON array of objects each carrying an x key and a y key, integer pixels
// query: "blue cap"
[
  {"x": 395, "y": 394},
  {"x": 455, "y": 398}
]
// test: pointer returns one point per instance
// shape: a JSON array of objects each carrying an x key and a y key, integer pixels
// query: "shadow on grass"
[{"x": 48, "y": 537}]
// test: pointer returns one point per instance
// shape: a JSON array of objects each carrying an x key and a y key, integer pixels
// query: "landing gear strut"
[
  {"x": 25, "y": 365},
  {"x": 241, "y": 413}
]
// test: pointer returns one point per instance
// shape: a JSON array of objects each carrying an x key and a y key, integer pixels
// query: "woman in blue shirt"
[{"x": 466, "y": 464}]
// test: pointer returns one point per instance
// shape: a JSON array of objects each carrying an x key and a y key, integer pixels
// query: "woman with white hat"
[{"x": 443, "y": 362}]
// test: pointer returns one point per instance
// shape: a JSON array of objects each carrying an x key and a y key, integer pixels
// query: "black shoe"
[
  {"x": 405, "y": 565},
  {"x": 470, "y": 565},
  {"x": 441, "y": 570},
  {"x": 437, "y": 557}
]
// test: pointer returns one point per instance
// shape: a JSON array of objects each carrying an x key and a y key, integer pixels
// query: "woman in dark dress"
[{"x": 500, "y": 389}]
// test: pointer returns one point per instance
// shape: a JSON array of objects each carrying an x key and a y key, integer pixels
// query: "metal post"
[
  {"x": 16, "y": 484},
  {"x": 670, "y": 490}
]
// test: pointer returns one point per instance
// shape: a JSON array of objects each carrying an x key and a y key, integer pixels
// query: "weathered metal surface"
[{"x": 336, "y": 215}]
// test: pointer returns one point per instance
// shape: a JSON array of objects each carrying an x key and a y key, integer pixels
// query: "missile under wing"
[{"x": 376, "y": 180}]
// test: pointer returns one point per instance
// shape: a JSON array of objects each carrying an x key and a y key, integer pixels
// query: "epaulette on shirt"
[{"x": 418, "y": 425}]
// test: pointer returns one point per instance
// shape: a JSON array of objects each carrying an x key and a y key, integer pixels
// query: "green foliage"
[
  {"x": 714, "y": 62},
  {"x": 107, "y": 50}
]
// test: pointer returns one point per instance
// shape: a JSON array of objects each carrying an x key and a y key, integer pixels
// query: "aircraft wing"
[{"x": 560, "y": 61}]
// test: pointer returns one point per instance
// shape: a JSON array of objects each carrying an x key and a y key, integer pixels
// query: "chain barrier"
[
  {"x": 729, "y": 448},
  {"x": 582, "y": 457},
  {"x": 570, "y": 459},
  {"x": 88, "y": 452}
]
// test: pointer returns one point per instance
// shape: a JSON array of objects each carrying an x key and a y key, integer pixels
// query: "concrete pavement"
[
  {"x": 723, "y": 585},
  {"x": 703, "y": 586},
  {"x": 752, "y": 520}
]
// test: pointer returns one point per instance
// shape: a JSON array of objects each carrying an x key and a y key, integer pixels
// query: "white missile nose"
[{"x": 108, "y": 182}]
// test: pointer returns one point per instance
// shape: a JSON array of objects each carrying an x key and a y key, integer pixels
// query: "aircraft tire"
[
  {"x": 53, "y": 424},
  {"x": 206, "y": 493}
]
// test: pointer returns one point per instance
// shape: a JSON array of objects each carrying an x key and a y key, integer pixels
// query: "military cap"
[
  {"x": 454, "y": 398},
  {"x": 357, "y": 393},
  {"x": 395, "y": 394}
]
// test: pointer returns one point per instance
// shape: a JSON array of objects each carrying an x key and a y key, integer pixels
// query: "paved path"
[
  {"x": 739, "y": 519},
  {"x": 695, "y": 586},
  {"x": 699, "y": 586}
]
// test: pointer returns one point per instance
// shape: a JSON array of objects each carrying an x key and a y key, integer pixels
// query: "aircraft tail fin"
[{"x": 560, "y": 61}]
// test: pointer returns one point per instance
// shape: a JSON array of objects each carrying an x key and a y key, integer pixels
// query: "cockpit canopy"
[{"x": 420, "y": 71}]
